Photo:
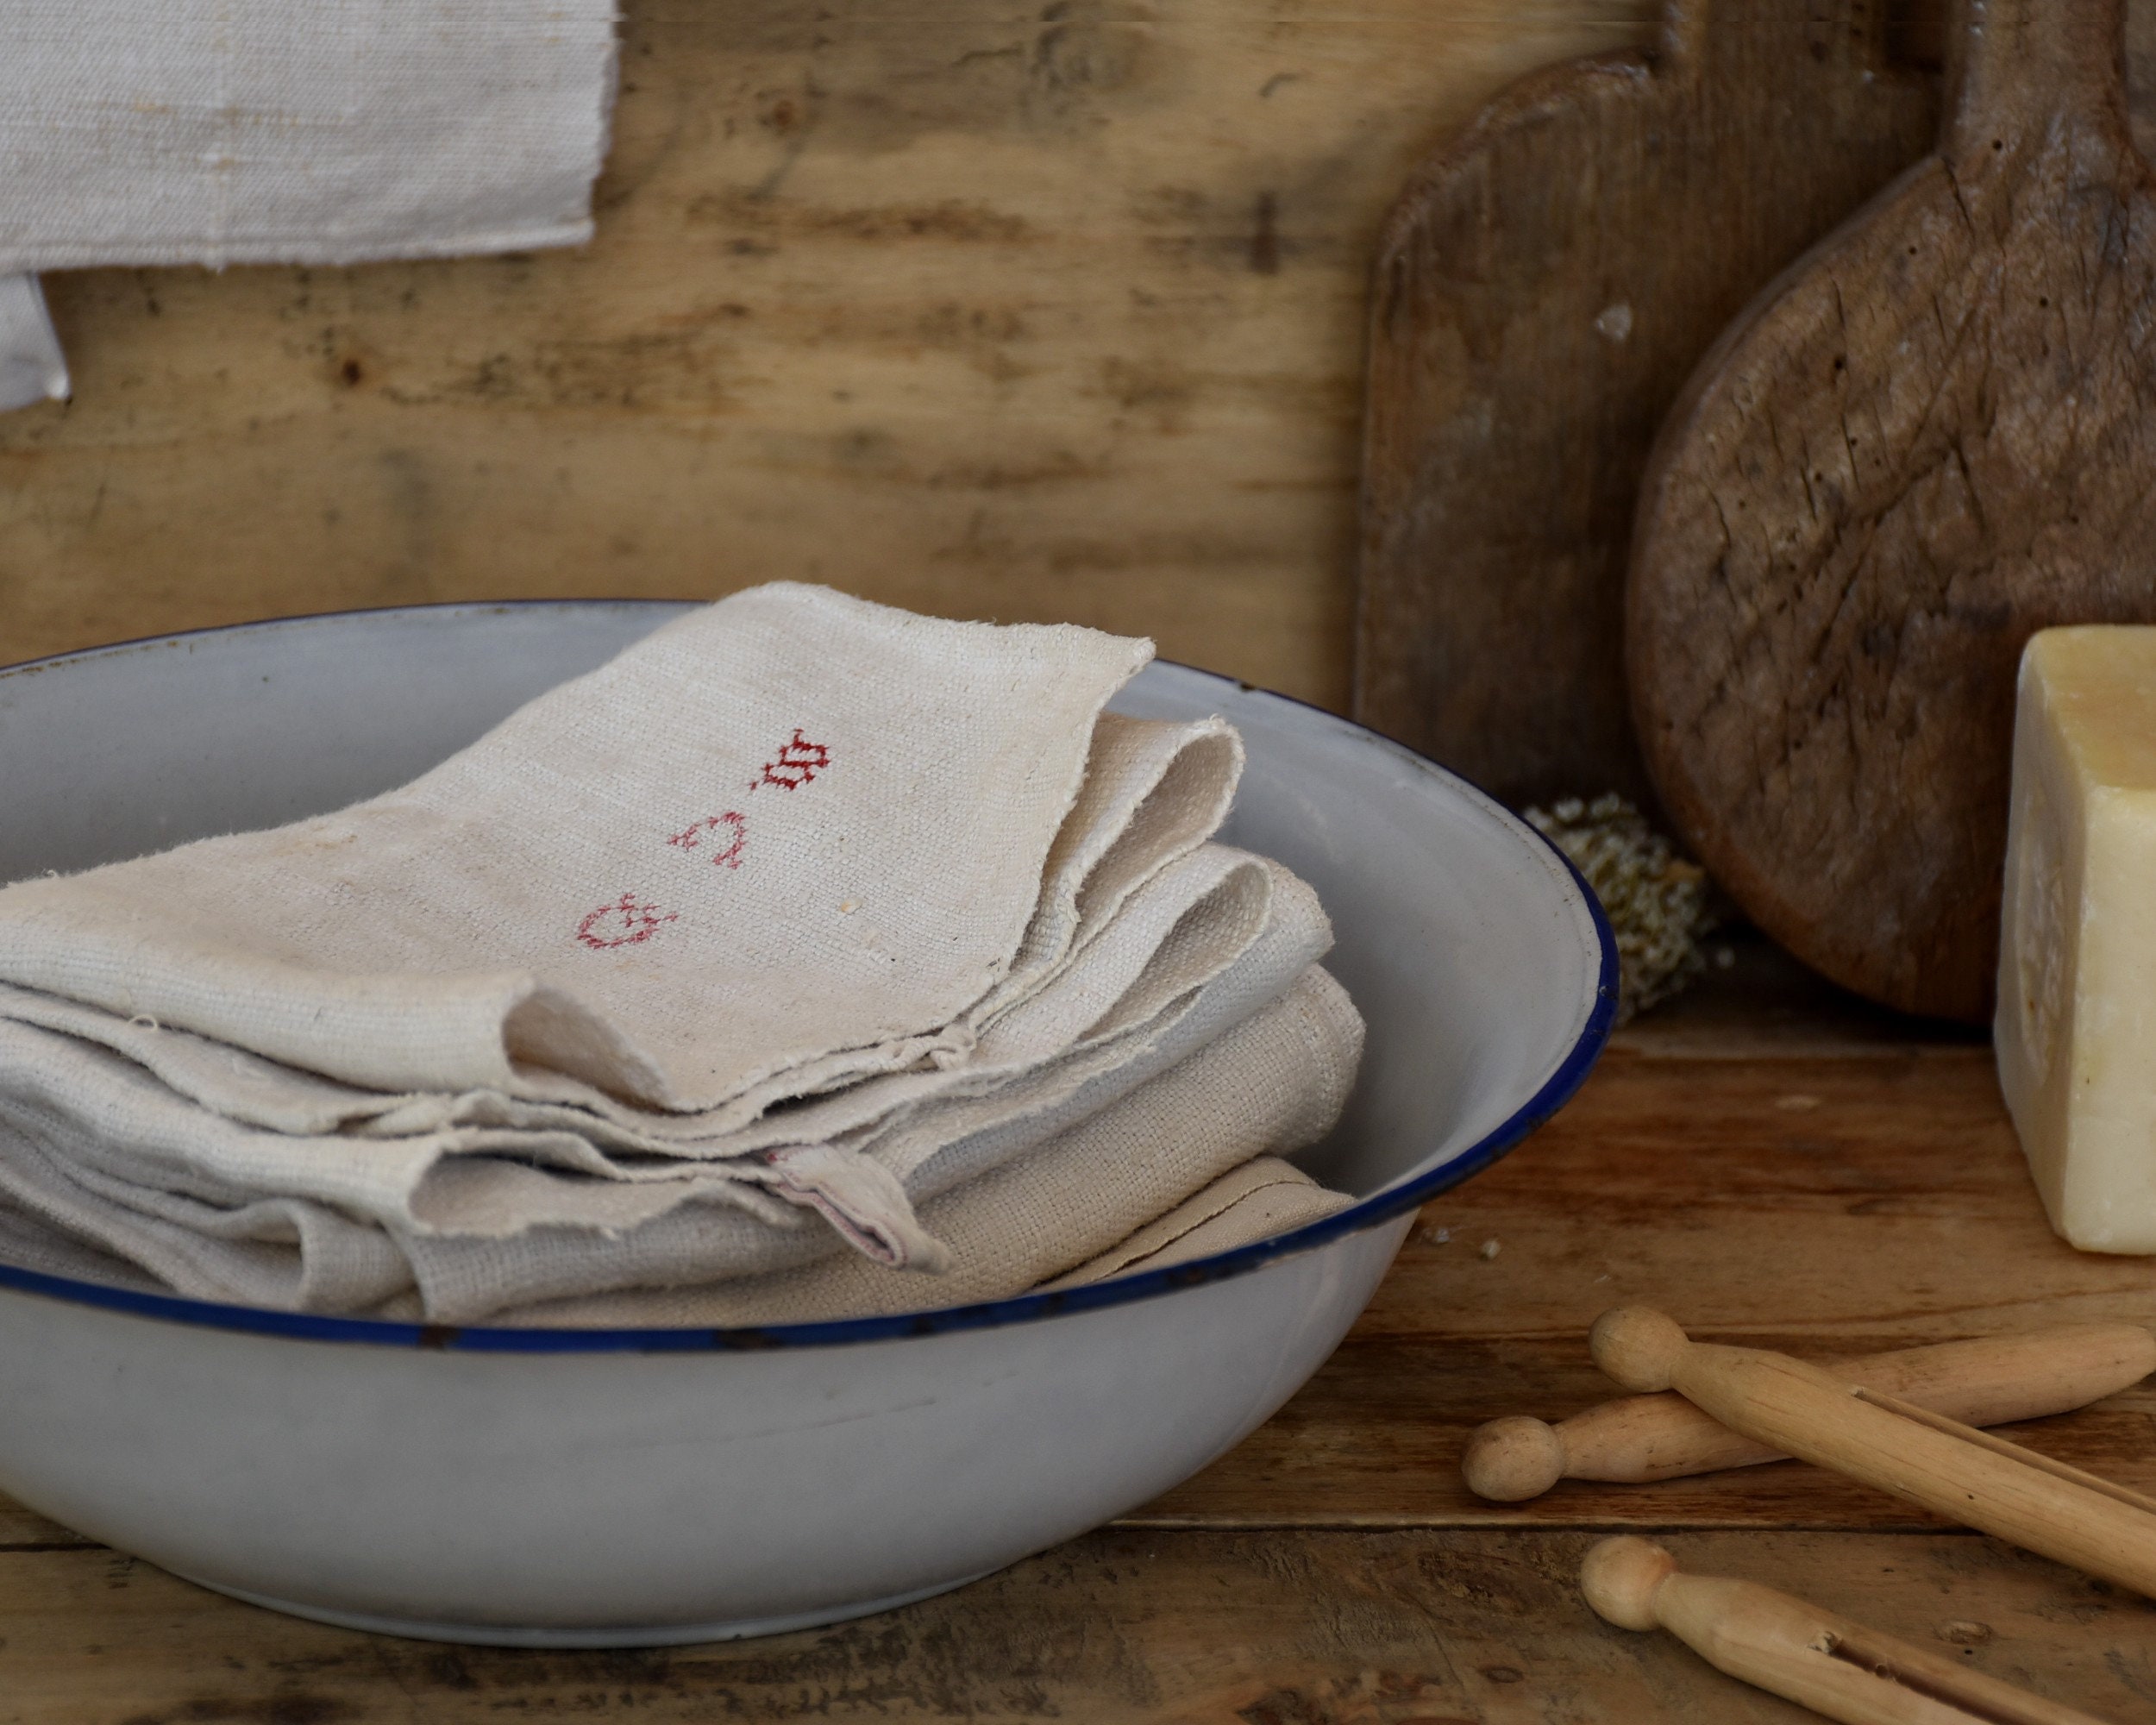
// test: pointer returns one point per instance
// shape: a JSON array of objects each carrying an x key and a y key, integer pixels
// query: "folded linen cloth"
[
  {"x": 237, "y": 131},
  {"x": 31, "y": 366},
  {"x": 548, "y": 917},
  {"x": 1255, "y": 1201},
  {"x": 464, "y": 1279},
  {"x": 376, "y": 1057},
  {"x": 1264, "y": 1197},
  {"x": 1179, "y": 929},
  {"x": 792, "y": 837},
  {"x": 93, "y": 1143},
  {"x": 255, "y": 131},
  {"x": 1274, "y": 1084}
]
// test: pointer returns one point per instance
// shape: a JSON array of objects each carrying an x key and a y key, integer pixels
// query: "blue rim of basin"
[{"x": 1018, "y": 1309}]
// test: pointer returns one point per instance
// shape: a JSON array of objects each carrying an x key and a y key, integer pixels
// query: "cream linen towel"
[
  {"x": 1037, "y": 910},
  {"x": 105, "y": 1154},
  {"x": 1264, "y": 1197},
  {"x": 260, "y": 131},
  {"x": 31, "y": 366},
  {"x": 456, "y": 1178},
  {"x": 464, "y": 1279},
  {"x": 237, "y": 131},
  {"x": 793, "y": 832},
  {"x": 513, "y": 1168},
  {"x": 1182, "y": 908},
  {"x": 1274, "y": 1084}
]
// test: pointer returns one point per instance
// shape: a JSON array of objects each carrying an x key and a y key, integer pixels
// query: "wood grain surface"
[
  {"x": 1797, "y": 1649},
  {"x": 1543, "y": 289},
  {"x": 1933, "y": 439},
  {"x": 1770, "y": 1161},
  {"x": 1040, "y": 311},
  {"x": 1442, "y": 1627}
]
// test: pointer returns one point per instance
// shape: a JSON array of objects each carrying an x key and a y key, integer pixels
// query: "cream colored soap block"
[{"x": 2075, "y": 1032}]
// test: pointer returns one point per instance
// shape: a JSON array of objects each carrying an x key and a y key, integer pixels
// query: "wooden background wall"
[
  {"x": 1014, "y": 310},
  {"x": 1010, "y": 307}
]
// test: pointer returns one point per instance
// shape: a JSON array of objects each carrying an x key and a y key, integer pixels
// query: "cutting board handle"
[
  {"x": 1684, "y": 33},
  {"x": 1851, "y": 33},
  {"x": 2017, "y": 65}
]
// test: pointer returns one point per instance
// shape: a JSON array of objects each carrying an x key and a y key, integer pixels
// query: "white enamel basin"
[{"x": 616, "y": 1487}]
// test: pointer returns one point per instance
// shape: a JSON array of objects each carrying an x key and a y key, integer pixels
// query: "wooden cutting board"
[
  {"x": 1544, "y": 288},
  {"x": 1936, "y": 435}
]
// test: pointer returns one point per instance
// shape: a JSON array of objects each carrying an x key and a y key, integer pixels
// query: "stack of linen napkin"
[{"x": 803, "y": 925}]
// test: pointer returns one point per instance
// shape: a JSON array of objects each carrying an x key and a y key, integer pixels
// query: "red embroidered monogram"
[
  {"x": 624, "y": 923},
  {"x": 798, "y": 764},
  {"x": 628, "y": 921},
  {"x": 735, "y": 826}
]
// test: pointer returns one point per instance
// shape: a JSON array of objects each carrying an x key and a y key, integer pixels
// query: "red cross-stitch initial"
[
  {"x": 735, "y": 826},
  {"x": 798, "y": 763},
  {"x": 623, "y": 923}
]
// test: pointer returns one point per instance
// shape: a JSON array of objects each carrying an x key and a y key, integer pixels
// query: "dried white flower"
[{"x": 1659, "y": 903}]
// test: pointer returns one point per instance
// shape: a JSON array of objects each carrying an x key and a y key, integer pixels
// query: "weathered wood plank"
[
  {"x": 1853, "y": 1203},
  {"x": 1271, "y": 1628},
  {"x": 23, "y": 1530},
  {"x": 1374, "y": 1441},
  {"x": 1022, "y": 311},
  {"x": 1544, "y": 288}
]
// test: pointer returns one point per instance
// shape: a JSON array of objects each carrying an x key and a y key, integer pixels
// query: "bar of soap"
[{"x": 2076, "y": 1029}]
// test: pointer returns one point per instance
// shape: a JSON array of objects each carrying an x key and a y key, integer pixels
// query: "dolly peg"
[
  {"x": 1795, "y": 1650},
  {"x": 1952, "y": 1470},
  {"x": 1512, "y": 1459},
  {"x": 1639, "y": 1347},
  {"x": 1982, "y": 1381}
]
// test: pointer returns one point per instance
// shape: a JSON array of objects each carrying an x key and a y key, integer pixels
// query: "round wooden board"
[{"x": 1930, "y": 438}]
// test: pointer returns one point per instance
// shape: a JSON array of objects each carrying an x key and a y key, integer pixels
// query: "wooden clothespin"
[
  {"x": 1636, "y": 1438},
  {"x": 1799, "y": 1652},
  {"x": 1952, "y": 1470}
]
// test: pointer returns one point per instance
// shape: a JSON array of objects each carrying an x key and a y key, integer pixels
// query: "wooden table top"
[{"x": 1767, "y": 1161}]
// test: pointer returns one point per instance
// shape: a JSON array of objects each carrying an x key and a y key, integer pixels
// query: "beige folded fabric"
[
  {"x": 232, "y": 131},
  {"x": 1153, "y": 793},
  {"x": 928, "y": 859},
  {"x": 215, "y": 132},
  {"x": 1181, "y": 930},
  {"x": 102, "y": 1151},
  {"x": 464, "y": 1279},
  {"x": 26, "y": 1243},
  {"x": 953, "y": 931},
  {"x": 1091, "y": 1191},
  {"x": 1273, "y": 1085},
  {"x": 450, "y": 1176},
  {"x": 790, "y": 832},
  {"x": 1264, "y": 1197}
]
